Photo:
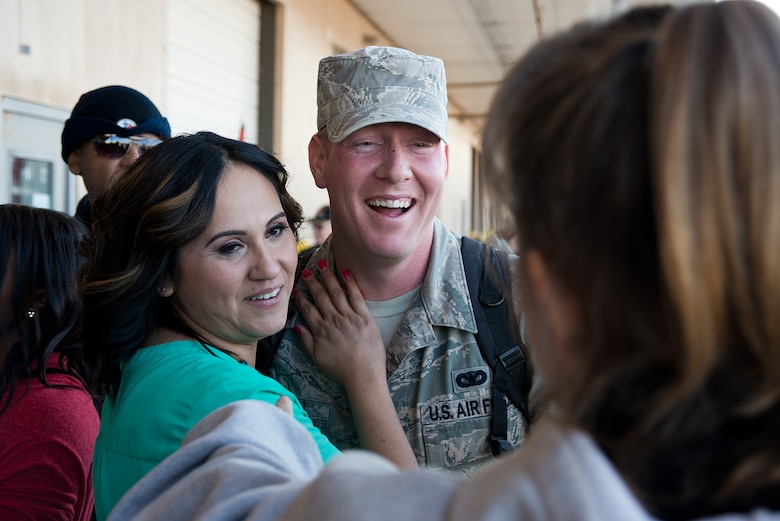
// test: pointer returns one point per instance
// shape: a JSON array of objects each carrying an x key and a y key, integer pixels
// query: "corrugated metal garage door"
[{"x": 213, "y": 66}]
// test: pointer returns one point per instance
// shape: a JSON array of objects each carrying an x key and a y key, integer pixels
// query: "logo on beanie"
[{"x": 126, "y": 123}]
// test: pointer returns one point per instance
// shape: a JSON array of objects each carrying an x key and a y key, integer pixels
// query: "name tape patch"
[{"x": 456, "y": 410}]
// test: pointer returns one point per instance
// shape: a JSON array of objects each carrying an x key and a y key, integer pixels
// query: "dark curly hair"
[
  {"x": 39, "y": 255},
  {"x": 163, "y": 201}
]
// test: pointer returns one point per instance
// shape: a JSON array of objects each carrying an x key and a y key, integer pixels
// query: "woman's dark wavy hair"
[
  {"x": 41, "y": 248},
  {"x": 163, "y": 201}
]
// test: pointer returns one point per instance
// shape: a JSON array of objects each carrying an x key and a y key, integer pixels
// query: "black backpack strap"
[{"x": 487, "y": 275}]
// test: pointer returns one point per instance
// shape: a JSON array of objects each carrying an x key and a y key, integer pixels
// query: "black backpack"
[{"x": 498, "y": 335}]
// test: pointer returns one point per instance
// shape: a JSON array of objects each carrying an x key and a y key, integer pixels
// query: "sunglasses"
[{"x": 112, "y": 146}]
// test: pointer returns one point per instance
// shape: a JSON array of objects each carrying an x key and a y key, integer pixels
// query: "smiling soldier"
[{"x": 381, "y": 152}]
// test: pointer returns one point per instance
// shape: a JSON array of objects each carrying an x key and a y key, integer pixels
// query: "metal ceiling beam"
[{"x": 487, "y": 18}]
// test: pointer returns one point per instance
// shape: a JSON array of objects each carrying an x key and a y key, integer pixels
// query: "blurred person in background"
[
  {"x": 320, "y": 224},
  {"x": 320, "y": 228}
]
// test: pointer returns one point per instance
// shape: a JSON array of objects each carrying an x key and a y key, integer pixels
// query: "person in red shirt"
[{"x": 48, "y": 419}]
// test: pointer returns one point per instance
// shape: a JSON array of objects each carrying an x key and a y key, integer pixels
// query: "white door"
[{"x": 31, "y": 169}]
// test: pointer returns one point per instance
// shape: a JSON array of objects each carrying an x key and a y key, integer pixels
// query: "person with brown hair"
[{"x": 639, "y": 158}]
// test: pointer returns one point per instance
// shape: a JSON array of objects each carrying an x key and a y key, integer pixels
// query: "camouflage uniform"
[{"x": 439, "y": 382}]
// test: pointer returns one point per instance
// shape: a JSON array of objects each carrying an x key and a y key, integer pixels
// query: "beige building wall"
[
  {"x": 52, "y": 51},
  {"x": 311, "y": 30},
  {"x": 198, "y": 60}
]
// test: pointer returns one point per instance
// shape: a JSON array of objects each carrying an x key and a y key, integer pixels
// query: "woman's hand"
[
  {"x": 285, "y": 404},
  {"x": 344, "y": 341},
  {"x": 343, "y": 338}
]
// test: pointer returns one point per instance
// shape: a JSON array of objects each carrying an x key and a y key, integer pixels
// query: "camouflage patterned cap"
[{"x": 381, "y": 85}]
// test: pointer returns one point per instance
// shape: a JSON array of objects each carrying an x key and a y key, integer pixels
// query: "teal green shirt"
[{"x": 166, "y": 389}]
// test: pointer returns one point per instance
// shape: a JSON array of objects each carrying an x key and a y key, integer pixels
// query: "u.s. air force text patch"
[
  {"x": 454, "y": 410},
  {"x": 455, "y": 431}
]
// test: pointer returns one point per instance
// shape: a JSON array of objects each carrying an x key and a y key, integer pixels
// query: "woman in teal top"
[
  {"x": 192, "y": 262},
  {"x": 142, "y": 429}
]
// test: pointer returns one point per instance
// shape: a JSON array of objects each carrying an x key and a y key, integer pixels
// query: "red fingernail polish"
[
  {"x": 306, "y": 273},
  {"x": 296, "y": 292},
  {"x": 297, "y": 329},
  {"x": 322, "y": 264},
  {"x": 346, "y": 274}
]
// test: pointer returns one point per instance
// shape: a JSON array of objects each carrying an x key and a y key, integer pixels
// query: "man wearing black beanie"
[{"x": 109, "y": 128}]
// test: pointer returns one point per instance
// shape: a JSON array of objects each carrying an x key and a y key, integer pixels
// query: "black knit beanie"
[{"x": 112, "y": 110}]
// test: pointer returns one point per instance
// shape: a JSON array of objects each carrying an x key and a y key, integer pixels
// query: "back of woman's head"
[
  {"x": 39, "y": 260},
  {"x": 640, "y": 160},
  {"x": 163, "y": 201}
]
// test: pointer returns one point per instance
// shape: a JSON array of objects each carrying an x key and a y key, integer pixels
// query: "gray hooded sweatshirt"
[{"x": 250, "y": 461}]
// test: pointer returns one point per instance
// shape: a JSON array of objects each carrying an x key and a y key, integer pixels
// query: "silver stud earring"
[{"x": 31, "y": 313}]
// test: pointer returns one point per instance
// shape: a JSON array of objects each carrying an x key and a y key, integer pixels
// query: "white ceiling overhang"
[{"x": 478, "y": 40}]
